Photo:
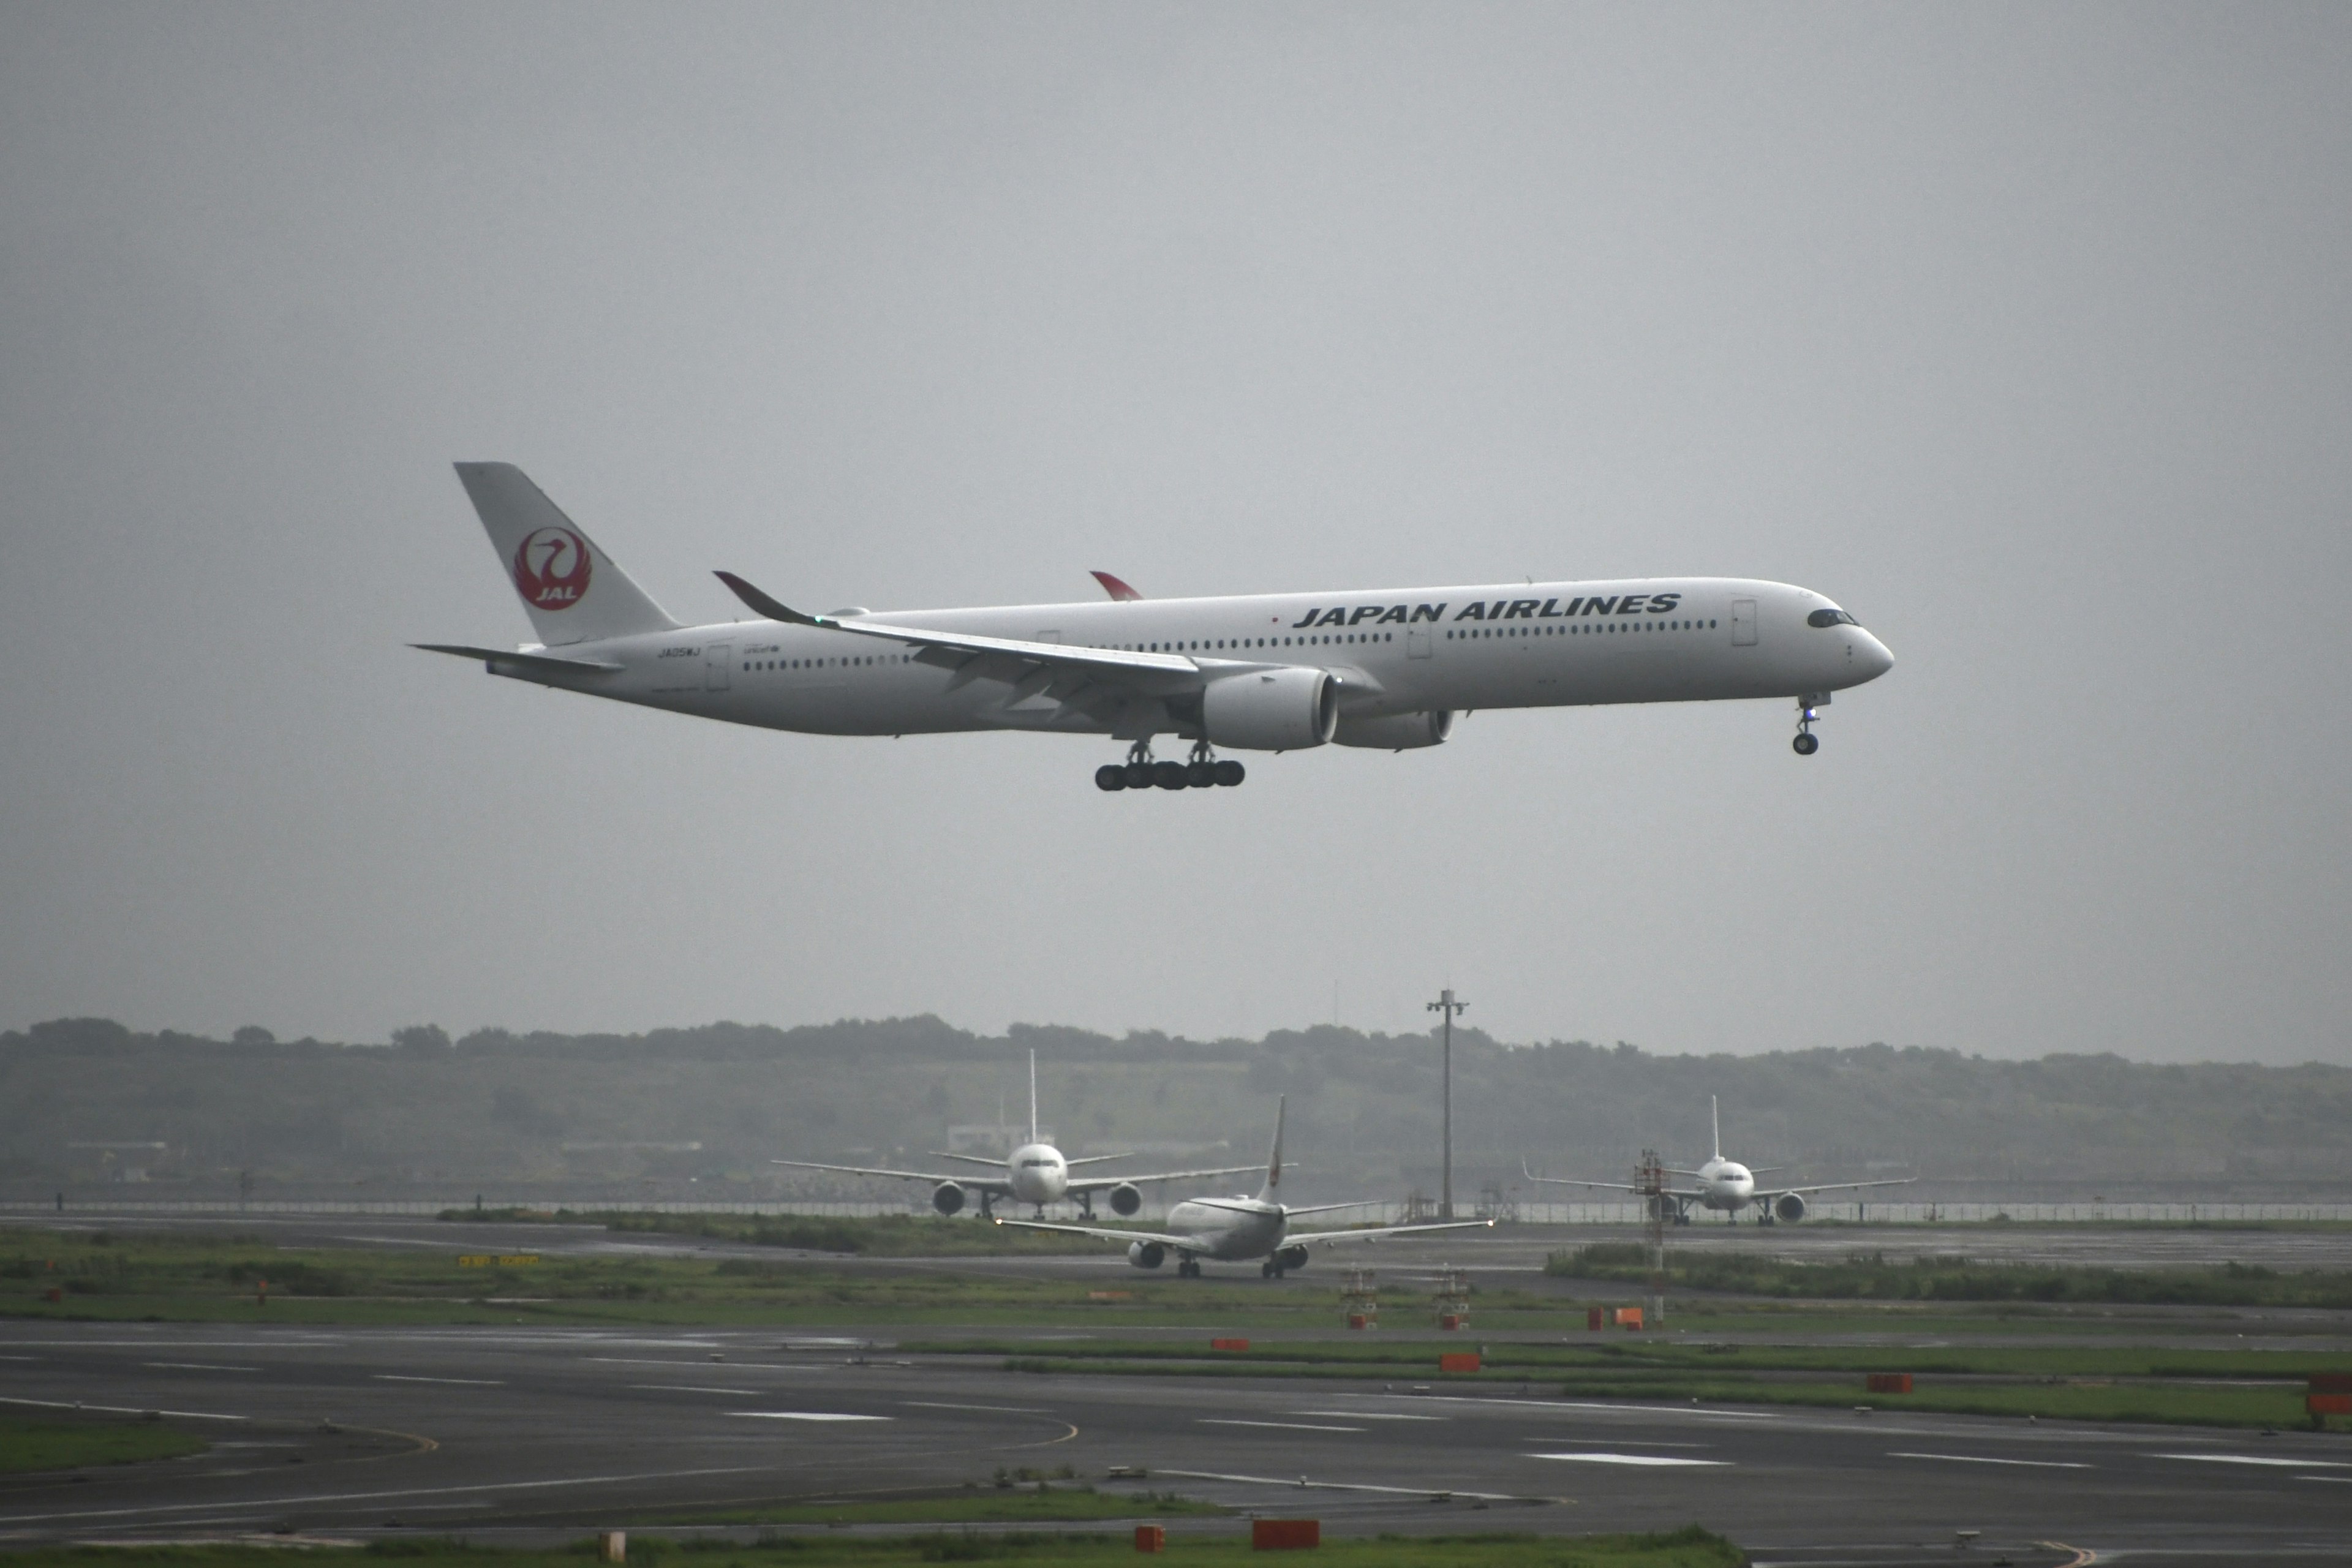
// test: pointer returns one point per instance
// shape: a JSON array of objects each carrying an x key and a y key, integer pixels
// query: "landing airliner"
[
  {"x": 1386, "y": 668},
  {"x": 1035, "y": 1173},
  {"x": 1727, "y": 1186},
  {"x": 1237, "y": 1229}
]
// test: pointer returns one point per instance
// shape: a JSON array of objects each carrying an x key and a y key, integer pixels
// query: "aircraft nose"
[{"x": 1873, "y": 656}]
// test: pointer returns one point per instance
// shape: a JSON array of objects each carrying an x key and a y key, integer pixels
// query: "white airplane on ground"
[
  {"x": 1036, "y": 1174},
  {"x": 1236, "y": 1229},
  {"x": 1728, "y": 1185},
  {"x": 1386, "y": 668}
]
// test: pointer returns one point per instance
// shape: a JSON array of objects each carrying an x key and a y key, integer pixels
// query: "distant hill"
[{"x": 643, "y": 1113}]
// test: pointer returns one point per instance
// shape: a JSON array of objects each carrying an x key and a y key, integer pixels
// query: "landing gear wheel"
[
  {"x": 1229, "y": 772},
  {"x": 1188, "y": 1269},
  {"x": 1139, "y": 776},
  {"x": 1265, "y": 1269},
  {"x": 1806, "y": 744},
  {"x": 1110, "y": 776},
  {"x": 1201, "y": 775},
  {"x": 1168, "y": 775}
]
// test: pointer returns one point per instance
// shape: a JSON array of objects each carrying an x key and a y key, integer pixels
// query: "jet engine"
[
  {"x": 1291, "y": 1258},
  {"x": 948, "y": 1198},
  {"x": 1790, "y": 1206},
  {"x": 1146, "y": 1254},
  {"x": 1125, "y": 1198},
  {"x": 1397, "y": 732},
  {"x": 1270, "y": 709}
]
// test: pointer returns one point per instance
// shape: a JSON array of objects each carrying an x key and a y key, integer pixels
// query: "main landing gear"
[
  {"x": 1808, "y": 709},
  {"x": 1139, "y": 772},
  {"x": 1188, "y": 1269}
]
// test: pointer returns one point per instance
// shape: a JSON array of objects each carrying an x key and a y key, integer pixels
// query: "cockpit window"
[{"x": 1831, "y": 618}]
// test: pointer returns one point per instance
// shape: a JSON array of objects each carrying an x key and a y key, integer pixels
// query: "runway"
[{"x": 492, "y": 1432}]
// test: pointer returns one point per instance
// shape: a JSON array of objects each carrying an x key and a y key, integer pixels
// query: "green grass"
[
  {"x": 992, "y": 1505},
  {"x": 51, "y": 1445},
  {"x": 1870, "y": 1276},
  {"x": 1689, "y": 1548}
]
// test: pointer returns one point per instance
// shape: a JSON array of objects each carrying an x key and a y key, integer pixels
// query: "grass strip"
[
  {"x": 52, "y": 1444},
  {"x": 980, "y": 1506},
  {"x": 1691, "y": 1547}
]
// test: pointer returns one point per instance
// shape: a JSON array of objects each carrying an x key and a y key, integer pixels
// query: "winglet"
[
  {"x": 767, "y": 606},
  {"x": 1117, "y": 589}
]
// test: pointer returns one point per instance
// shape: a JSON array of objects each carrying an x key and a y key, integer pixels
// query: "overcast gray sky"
[{"x": 2020, "y": 330}]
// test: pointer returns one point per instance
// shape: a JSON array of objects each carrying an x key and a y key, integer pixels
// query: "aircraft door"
[
  {"x": 1743, "y": 623},
  {"x": 1416, "y": 642},
  {"x": 718, "y": 658}
]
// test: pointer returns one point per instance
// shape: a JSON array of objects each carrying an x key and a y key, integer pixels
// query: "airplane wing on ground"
[
  {"x": 1000, "y": 1189},
  {"x": 1610, "y": 1186},
  {"x": 1762, "y": 1195},
  {"x": 967, "y": 1159},
  {"x": 1374, "y": 1232},
  {"x": 1187, "y": 1243},
  {"x": 1092, "y": 1159},
  {"x": 1097, "y": 1184}
]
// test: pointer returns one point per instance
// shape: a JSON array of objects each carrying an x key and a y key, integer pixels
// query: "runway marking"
[
  {"x": 2258, "y": 1460},
  {"x": 692, "y": 1388},
  {"x": 190, "y": 1365},
  {"x": 1648, "y": 1459},
  {"x": 1369, "y": 1416},
  {"x": 2340, "y": 1480},
  {"x": 674, "y": 1361},
  {"x": 997, "y": 1409},
  {"x": 267, "y": 1503},
  {"x": 1285, "y": 1425},
  {"x": 122, "y": 1409},
  {"x": 1300, "y": 1483},
  {"x": 807, "y": 1415},
  {"x": 1983, "y": 1459},
  {"x": 19, "y": 1358},
  {"x": 411, "y": 1377},
  {"x": 1493, "y": 1403}
]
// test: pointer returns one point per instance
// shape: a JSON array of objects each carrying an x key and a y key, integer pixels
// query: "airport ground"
[{"x": 531, "y": 1432}]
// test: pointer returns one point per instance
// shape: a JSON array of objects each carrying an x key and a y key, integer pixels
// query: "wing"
[
  {"x": 1156, "y": 673},
  {"x": 1097, "y": 1183},
  {"x": 1094, "y": 1159},
  {"x": 1188, "y": 1242},
  {"x": 1838, "y": 1187},
  {"x": 999, "y": 1188},
  {"x": 968, "y": 1159},
  {"x": 1333, "y": 1238}
]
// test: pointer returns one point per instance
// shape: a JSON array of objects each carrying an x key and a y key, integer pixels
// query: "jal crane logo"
[{"x": 551, "y": 569}]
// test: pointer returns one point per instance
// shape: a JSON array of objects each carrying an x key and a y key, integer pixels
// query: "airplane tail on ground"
[
  {"x": 571, "y": 589},
  {"x": 1715, "y": 1123},
  {"x": 1033, "y": 1097},
  {"x": 1271, "y": 1191}
]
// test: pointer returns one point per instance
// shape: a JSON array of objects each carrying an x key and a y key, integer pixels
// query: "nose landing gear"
[
  {"x": 1203, "y": 771},
  {"x": 1807, "y": 742}
]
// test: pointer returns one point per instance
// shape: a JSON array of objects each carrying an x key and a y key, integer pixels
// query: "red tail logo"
[{"x": 551, "y": 569}]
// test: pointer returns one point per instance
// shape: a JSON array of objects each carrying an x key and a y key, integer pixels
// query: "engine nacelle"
[
  {"x": 1397, "y": 732},
  {"x": 1146, "y": 1254},
  {"x": 1790, "y": 1206},
  {"x": 1270, "y": 709},
  {"x": 948, "y": 1198},
  {"x": 1125, "y": 1198},
  {"x": 1291, "y": 1258}
]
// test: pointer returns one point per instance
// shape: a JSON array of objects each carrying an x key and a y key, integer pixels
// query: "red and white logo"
[{"x": 551, "y": 569}]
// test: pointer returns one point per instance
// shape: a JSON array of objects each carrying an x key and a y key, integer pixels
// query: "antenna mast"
[{"x": 1447, "y": 1005}]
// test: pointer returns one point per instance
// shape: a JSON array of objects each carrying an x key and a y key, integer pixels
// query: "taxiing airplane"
[
  {"x": 1727, "y": 1185},
  {"x": 1237, "y": 1229},
  {"x": 1385, "y": 668},
  {"x": 1036, "y": 1174}
]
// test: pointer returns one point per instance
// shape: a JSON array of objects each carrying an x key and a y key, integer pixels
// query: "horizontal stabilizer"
[{"x": 538, "y": 663}]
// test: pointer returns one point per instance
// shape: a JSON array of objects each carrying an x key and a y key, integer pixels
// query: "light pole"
[{"x": 1447, "y": 1005}]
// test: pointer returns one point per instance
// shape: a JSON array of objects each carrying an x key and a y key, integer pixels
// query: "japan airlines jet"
[
  {"x": 1727, "y": 1185},
  {"x": 1035, "y": 1173},
  {"x": 1236, "y": 1229},
  {"x": 1278, "y": 672}
]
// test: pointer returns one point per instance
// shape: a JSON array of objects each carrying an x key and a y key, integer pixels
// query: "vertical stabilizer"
[
  {"x": 1033, "y": 1097},
  {"x": 571, "y": 589},
  {"x": 1272, "y": 1190},
  {"x": 1715, "y": 1125}
]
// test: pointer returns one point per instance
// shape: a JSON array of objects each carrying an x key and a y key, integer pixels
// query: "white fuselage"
[
  {"x": 1727, "y": 1185},
  {"x": 1682, "y": 640},
  {"x": 1037, "y": 1173},
  {"x": 1231, "y": 1229}
]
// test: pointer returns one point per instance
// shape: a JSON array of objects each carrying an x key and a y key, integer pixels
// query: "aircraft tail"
[
  {"x": 1715, "y": 1124},
  {"x": 571, "y": 589},
  {"x": 1272, "y": 1188},
  {"x": 1033, "y": 1097}
]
